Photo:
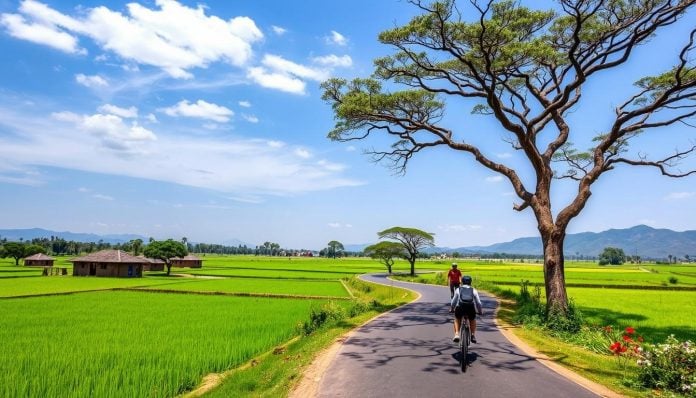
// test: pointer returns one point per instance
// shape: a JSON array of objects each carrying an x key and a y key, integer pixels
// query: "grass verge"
[{"x": 278, "y": 371}]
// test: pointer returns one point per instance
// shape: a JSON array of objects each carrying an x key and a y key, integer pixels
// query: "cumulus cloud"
[
  {"x": 279, "y": 73},
  {"x": 126, "y": 113},
  {"x": 245, "y": 104},
  {"x": 333, "y": 60},
  {"x": 91, "y": 81},
  {"x": 275, "y": 80},
  {"x": 279, "y": 30},
  {"x": 172, "y": 36},
  {"x": 110, "y": 129},
  {"x": 336, "y": 38},
  {"x": 200, "y": 109},
  {"x": 494, "y": 179}
]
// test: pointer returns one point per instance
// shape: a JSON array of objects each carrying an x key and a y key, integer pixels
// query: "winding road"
[{"x": 409, "y": 352}]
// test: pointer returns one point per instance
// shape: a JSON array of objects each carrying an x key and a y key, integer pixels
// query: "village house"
[
  {"x": 189, "y": 261},
  {"x": 114, "y": 263},
  {"x": 154, "y": 264},
  {"x": 38, "y": 260}
]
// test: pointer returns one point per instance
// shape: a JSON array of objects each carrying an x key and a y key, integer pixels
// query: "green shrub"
[
  {"x": 320, "y": 316},
  {"x": 532, "y": 311},
  {"x": 439, "y": 278},
  {"x": 669, "y": 366},
  {"x": 673, "y": 280}
]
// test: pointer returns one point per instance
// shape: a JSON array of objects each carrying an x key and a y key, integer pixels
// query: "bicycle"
[{"x": 464, "y": 341}]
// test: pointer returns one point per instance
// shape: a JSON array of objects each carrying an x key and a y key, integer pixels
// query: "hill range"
[{"x": 641, "y": 240}]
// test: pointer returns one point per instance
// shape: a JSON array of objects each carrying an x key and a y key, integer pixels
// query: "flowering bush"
[{"x": 669, "y": 366}]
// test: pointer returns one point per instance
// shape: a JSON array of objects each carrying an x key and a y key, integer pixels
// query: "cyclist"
[
  {"x": 465, "y": 303},
  {"x": 454, "y": 277}
]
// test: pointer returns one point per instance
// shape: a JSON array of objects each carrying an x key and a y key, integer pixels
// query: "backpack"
[{"x": 466, "y": 295}]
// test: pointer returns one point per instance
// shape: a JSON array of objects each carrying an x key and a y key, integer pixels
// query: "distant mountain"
[
  {"x": 33, "y": 233},
  {"x": 642, "y": 240},
  {"x": 235, "y": 243}
]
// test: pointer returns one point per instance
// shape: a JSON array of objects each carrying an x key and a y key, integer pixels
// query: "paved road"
[{"x": 409, "y": 353}]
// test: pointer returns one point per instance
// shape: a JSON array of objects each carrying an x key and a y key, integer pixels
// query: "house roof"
[
  {"x": 151, "y": 260},
  {"x": 39, "y": 256},
  {"x": 110, "y": 256},
  {"x": 188, "y": 257}
]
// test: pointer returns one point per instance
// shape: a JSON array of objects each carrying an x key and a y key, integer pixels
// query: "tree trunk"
[
  {"x": 169, "y": 268},
  {"x": 554, "y": 276},
  {"x": 412, "y": 260}
]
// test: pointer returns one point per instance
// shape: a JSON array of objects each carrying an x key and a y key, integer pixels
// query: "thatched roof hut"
[
  {"x": 38, "y": 260},
  {"x": 189, "y": 261}
]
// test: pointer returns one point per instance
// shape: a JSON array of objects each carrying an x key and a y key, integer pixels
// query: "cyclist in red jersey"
[{"x": 454, "y": 278}]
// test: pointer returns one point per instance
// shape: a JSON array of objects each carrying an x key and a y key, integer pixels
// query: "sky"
[{"x": 205, "y": 120}]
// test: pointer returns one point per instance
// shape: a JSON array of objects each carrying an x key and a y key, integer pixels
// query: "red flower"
[
  {"x": 627, "y": 338},
  {"x": 630, "y": 330},
  {"x": 615, "y": 348}
]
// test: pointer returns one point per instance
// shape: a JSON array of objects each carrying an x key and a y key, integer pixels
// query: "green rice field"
[
  {"x": 641, "y": 296},
  {"x": 82, "y": 336},
  {"x": 129, "y": 344}
]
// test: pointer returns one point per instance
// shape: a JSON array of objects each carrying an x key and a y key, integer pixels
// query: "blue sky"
[{"x": 204, "y": 120}]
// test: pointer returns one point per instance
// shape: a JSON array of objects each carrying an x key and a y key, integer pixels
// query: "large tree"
[
  {"x": 165, "y": 250},
  {"x": 386, "y": 252},
  {"x": 411, "y": 239},
  {"x": 334, "y": 247},
  {"x": 526, "y": 70}
]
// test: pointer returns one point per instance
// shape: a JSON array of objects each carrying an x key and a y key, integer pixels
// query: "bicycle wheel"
[{"x": 464, "y": 344}]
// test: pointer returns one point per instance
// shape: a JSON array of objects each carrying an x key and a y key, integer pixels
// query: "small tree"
[
  {"x": 386, "y": 252},
  {"x": 334, "y": 247},
  {"x": 412, "y": 240},
  {"x": 14, "y": 250},
  {"x": 165, "y": 251},
  {"x": 612, "y": 255}
]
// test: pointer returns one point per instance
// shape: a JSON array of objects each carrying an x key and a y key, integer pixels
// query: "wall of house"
[
  {"x": 187, "y": 263},
  {"x": 38, "y": 263},
  {"x": 120, "y": 270}
]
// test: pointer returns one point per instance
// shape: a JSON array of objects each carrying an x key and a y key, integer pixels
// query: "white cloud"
[
  {"x": 278, "y": 81},
  {"x": 112, "y": 132},
  {"x": 303, "y": 153},
  {"x": 240, "y": 167},
  {"x": 280, "y": 64},
  {"x": 126, "y": 113},
  {"x": 152, "y": 118},
  {"x": 250, "y": 118},
  {"x": 331, "y": 166},
  {"x": 333, "y": 60},
  {"x": 172, "y": 37},
  {"x": 336, "y": 38},
  {"x": 245, "y": 104},
  {"x": 83, "y": 189},
  {"x": 494, "y": 179},
  {"x": 38, "y": 33},
  {"x": 91, "y": 81},
  {"x": 680, "y": 195},
  {"x": 102, "y": 197},
  {"x": 200, "y": 109},
  {"x": 339, "y": 225},
  {"x": 504, "y": 155},
  {"x": 279, "y": 30}
]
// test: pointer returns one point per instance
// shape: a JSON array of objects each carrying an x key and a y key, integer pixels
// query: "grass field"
[
  {"x": 270, "y": 286},
  {"x": 134, "y": 344}
]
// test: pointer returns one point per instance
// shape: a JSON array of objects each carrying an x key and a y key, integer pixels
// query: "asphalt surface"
[{"x": 409, "y": 353}]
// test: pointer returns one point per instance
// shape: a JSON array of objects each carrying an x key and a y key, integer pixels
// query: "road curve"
[{"x": 409, "y": 352}]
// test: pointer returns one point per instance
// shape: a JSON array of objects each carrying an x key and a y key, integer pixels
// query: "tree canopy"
[
  {"x": 165, "y": 250},
  {"x": 386, "y": 252},
  {"x": 334, "y": 248},
  {"x": 526, "y": 70},
  {"x": 412, "y": 240},
  {"x": 612, "y": 255}
]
